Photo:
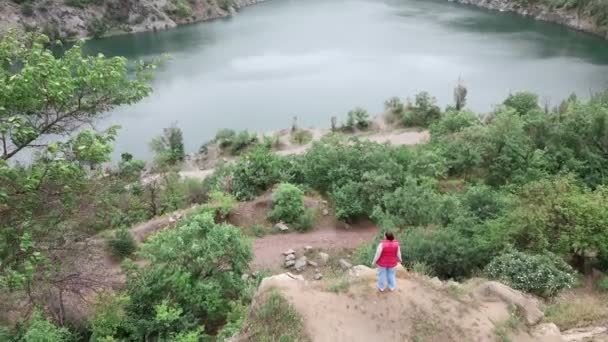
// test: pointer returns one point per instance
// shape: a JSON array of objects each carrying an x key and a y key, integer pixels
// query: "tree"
[
  {"x": 522, "y": 102},
  {"x": 460, "y": 95},
  {"x": 169, "y": 147},
  {"x": 42, "y": 95}
]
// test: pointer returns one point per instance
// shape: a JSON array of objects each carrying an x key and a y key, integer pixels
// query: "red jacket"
[{"x": 388, "y": 257}]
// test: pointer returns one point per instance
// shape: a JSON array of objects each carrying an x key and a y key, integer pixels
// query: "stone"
[
  {"x": 324, "y": 258},
  {"x": 290, "y": 263},
  {"x": 312, "y": 263},
  {"x": 527, "y": 305},
  {"x": 289, "y": 251},
  {"x": 245, "y": 276},
  {"x": 317, "y": 276},
  {"x": 308, "y": 248},
  {"x": 325, "y": 212},
  {"x": 345, "y": 264},
  {"x": 300, "y": 264},
  {"x": 290, "y": 257},
  {"x": 585, "y": 334},
  {"x": 546, "y": 332},
  {"x": 362, "y": 271},
  {"x": 281, "y": 227}
]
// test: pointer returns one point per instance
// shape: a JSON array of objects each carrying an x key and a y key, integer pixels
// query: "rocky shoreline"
[
  {"x": 568, "y": 18},
  {"x": 111, "y": 17}
]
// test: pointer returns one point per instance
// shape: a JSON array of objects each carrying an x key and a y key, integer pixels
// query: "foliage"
[
  {"x": 42, "y": 95},
  {"x": 453, "y": 122},
  {"x": 275, "y": 320},
  {"x": 287, "y": 204},
  {"x": 422, "y": 268},
  {"x": 305, "y": 221},
  {"x": 168, "y": 147},
  {"x": 221, "y": 204},
  {"x": 194, "y": 273},
  {"x": 357, "y": 118},
  {"x": 543, "y": 275},
  {"x": 523, "y": 102},
  {"x": 27, "y": 8},
  {"x": 602, "y": 284},
  {"x": 41, "y": 330},
  {"x": 122, "y": 243},
  {"x": 225, "y": 4},
  {"x": 130, "y": 169},
  {"x": 233, "y": 142},
  {"x": 423, "y": 112},
  {"x": 301, "y": 136},
  {"x": 255, "y": 172},
  {"x": 460, "y": 96},
  {"x": 109, "y": 316},
  {"x": 97, "y": 27}
]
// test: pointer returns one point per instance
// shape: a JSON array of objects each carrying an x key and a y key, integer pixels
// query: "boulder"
[
  {"x": 300, "y": 264},
  {"x": 585, "y": 334},
  {"x": 317, "y": 276},
  {"x": 436, "y": 282},
  {"x": 289, "y": 251},
  {"x": 281, "y": 227},
  {"x": 323, "y": 258},
  {"x": 344, "y": 264},
  {"x": 308, "y": 248},
  {"x": 312, "y": 263},
  {"x": 290, "y": 257},
  {"x": 362, "y": 271},
  {"x": 325, "y": 212},
  {"x": 526, "y": 305},
  {"x": 546, "y": 332},
  {"x": 290, "y": 263}
]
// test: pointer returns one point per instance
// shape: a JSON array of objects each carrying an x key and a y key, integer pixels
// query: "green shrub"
[
  {"x": 194, "y": 191},
  {"x": 168, "y": 147},
  {"x": 301, "y": 137},
  {"x": 255, "y": 172},
  {"x": 523, "y": 102},
  {"x": 41, "y": 330},
  {"x": 97, "y": 27},
  {"x": 109, "y": 316},
  {"x": 448, "y": 252},
  {"x": 27, "y": 8},
  {"x": 258, "y": 230},
  {"x": 364, "y": 254},
  {"x": 287, "y": 204},
  {"x": 274, "y": 319},
  {"x": 122, "y": 243},
  {"x": 348, "y": 201},
  {"x": 602, "y": 284},
  {"x": 305, "y": 221},
  {"x": 221, "y": 204},
  {"x": 422, "y": 268},
  {"x": 394, "y": 106},
  {"x": 542, "y": 275},
  {"x": 454, "y": 121},
  {"x": 357, "y": 118},
  {"x": 423, "y": 112},
  {"x": 225, "y": 4}
]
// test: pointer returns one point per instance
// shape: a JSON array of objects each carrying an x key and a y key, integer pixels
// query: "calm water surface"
[{"x": 319, "y": 58}]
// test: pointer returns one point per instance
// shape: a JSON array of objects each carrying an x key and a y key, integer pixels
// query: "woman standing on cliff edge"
[{"x": 388, "y": 255}]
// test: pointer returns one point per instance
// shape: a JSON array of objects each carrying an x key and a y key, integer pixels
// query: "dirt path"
[{"x": 267, "y": 250}]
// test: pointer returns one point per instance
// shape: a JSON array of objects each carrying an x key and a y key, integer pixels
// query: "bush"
[
  {"x": 109, "y": 316},
  {"x": 221, "y": 204},
  {"x": 348, "y": 201},
  {"x": 97, "y": 27},
  {"x": 423, "y": 112},
  {"x": 522, "y": 102},
  {"x": 542, "y": 275},
  {"x": 255, "y": 172},
  {"x": 394, "y": 106},
  {"x": 274, "y": 319},
  {"x": 287, "y": 204},
  {"x": 27, "y": 8},
  {"x": 41, "y": 330},
  {"x": 602, "y": 284},
  {"x": 122, "y": 244},
  {"x": 454, "y": 121},
  {"x": 446, "y": 251},
  {"x": 422, "y": 268},
  {"x": 357, "y": 118},
  {"x": 301, "y": 137},
  {"x": 305, "y": 221},
  {"x": 168, "y": 147}
]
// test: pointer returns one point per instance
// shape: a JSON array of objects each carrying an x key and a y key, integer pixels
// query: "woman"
[{"x": 388, "y": 255}]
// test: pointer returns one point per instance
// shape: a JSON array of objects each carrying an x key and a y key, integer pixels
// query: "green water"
[{"x": 319, "y": 58}]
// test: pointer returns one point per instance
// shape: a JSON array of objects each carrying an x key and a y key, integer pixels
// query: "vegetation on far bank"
[{"x": 518, "y": 195}]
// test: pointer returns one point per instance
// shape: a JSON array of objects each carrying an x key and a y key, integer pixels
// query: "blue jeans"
[{"x": 386, "y": 273}]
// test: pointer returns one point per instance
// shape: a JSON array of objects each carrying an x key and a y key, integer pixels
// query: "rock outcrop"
[
  {"x": 540, "y": 11},
  {"x": 59, "y": 20},
  {"x": 417, "y": 310}
]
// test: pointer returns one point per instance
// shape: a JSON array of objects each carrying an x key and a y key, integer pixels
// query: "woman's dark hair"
[{"x": 389, "y": 236}]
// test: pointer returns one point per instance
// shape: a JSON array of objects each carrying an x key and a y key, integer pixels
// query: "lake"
[{"x": 315, "y": 59}]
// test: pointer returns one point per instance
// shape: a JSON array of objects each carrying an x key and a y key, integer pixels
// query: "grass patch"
[
  {"x": 301, "y": 137},
  {"x": 513, "y": 323},
  {"x": 275, "y": 319},
  {"x": 457, "y": 291},
  {"x": 568, "y": 315},
  {"x": 422, "y": 268},
  {"x": 338, "y": 284}
]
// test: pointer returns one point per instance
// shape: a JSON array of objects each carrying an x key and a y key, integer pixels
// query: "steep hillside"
[
  {"x": 587, "y": 16},
  {"x": 68, "y": 19}
]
